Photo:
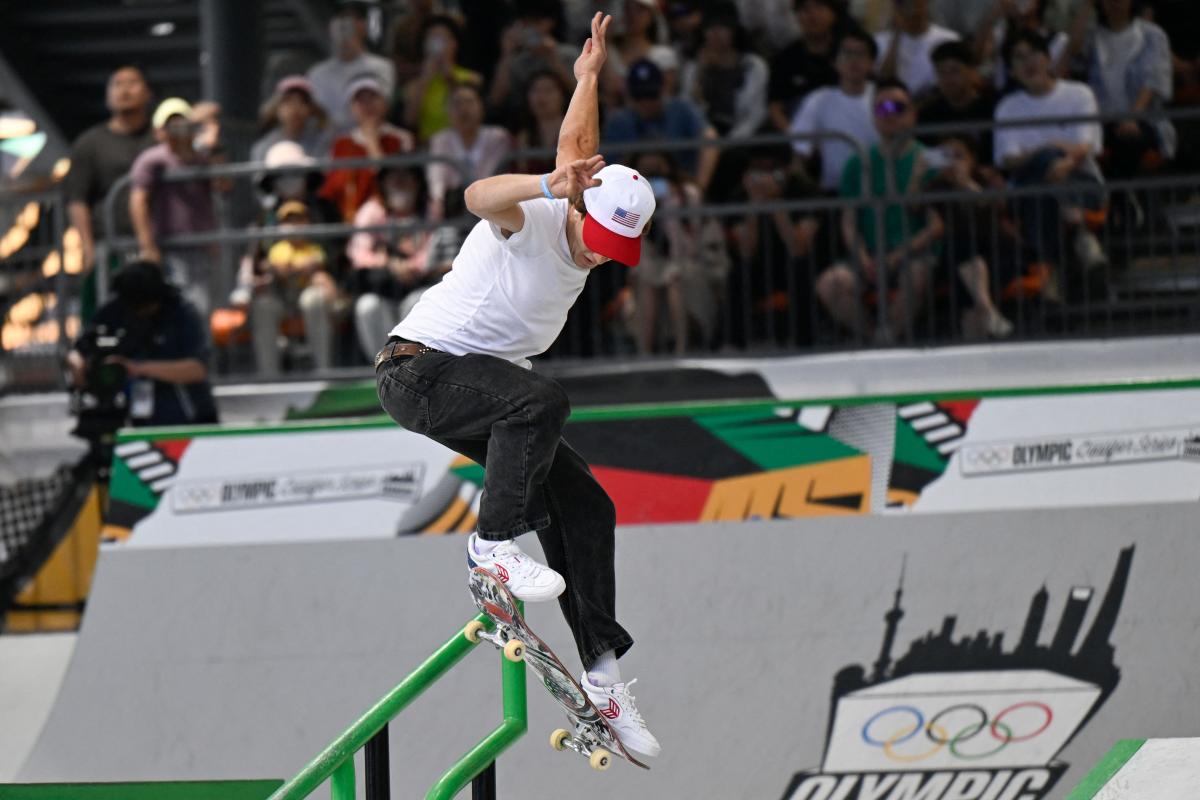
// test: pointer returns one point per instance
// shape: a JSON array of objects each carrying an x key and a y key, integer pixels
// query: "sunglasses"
[{"x": 890, "y": 108}]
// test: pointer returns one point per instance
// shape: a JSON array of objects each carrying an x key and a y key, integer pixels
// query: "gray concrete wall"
[
  {"x": 241, "y": 662},
  {"x": 32, "y": 667}
]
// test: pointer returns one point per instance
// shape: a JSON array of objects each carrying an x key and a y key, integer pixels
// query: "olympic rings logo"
[
  {"x": 953, "y": 727},
  {"x": 988, "y": 456}
]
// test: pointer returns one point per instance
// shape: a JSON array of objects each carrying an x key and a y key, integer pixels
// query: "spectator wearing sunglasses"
[{"x": 910, "y": 233}]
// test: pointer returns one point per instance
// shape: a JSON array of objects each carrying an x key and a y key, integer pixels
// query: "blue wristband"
[{"x": 546, "y": 188}]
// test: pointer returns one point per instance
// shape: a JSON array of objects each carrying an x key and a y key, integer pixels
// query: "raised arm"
[
  {"x": 579, "y": 136},
  {"x": 497, "y": 199}
]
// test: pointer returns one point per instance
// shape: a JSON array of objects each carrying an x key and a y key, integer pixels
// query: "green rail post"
[
  {"x": 336, "y": 762},
  {"x": 512, "y": 677},
  {"x": 341, "y": 783}
]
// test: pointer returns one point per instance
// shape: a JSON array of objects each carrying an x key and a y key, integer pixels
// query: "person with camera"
[
  {"x": 427, "y": 96},
  {"x": 151, "y": 344},
  {"x": 350, "y": 60},
  {"x": 529, "y": 46}
]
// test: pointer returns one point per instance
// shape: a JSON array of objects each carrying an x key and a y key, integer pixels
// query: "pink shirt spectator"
[
  {"x": 368, "y": 249},
  {"x": 176, "y": 206}
]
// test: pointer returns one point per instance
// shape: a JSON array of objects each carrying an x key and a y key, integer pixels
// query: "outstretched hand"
[
  {"x": 573, "y": 177},
  {"x": 595, "y": 49}
]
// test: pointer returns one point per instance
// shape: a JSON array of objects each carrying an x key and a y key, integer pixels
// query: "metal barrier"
[
  {"x": 240, "y": 233},
  {"x": 760, "y": 294}
]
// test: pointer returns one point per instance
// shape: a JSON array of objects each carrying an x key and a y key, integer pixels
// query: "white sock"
[
  {"x": 604, "y": 671},
  {"x": 483, "y": 547}
]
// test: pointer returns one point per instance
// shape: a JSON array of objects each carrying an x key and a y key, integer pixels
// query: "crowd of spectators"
[{"x": 474, "y": 86}]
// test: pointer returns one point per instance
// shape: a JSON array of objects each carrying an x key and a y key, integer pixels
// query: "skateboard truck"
[
  {"x": 597, "y": 756},
  {"x": 476, "y": 631},
  {"x": 561, "y": 739}
]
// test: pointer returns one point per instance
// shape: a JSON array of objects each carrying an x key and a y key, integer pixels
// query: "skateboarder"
[{"x": 457, "y": 370}]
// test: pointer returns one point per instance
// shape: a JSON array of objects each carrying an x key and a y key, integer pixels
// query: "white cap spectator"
[
  {"x": 286, "y": 154},
  {"x": 367, "y": 82},
  {"x": 171, "y": 107}
]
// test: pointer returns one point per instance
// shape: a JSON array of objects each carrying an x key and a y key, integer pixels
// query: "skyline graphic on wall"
[{"x": 967, "y": 717}]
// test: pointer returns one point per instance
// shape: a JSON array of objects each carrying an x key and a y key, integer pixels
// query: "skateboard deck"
[{"x": 592, "y": 735}]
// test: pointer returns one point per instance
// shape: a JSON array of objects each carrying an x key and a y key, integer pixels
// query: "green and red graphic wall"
[{"x": 675, "y": 463}]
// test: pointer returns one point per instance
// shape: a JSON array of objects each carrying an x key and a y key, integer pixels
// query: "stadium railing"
[{"x": 1151, "y": 283}]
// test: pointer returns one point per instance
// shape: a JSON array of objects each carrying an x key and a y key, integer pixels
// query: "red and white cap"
[{"x": 617, "y": 212}]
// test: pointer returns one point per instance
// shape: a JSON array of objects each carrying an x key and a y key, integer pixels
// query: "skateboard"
[{"x": 592, "y": 737}]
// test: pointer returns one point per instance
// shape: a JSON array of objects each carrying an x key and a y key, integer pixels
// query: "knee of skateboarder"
[{"x": 550, "y": 404}]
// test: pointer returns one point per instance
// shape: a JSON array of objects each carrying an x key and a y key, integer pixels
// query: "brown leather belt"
[{"x": 394, "y": 350}]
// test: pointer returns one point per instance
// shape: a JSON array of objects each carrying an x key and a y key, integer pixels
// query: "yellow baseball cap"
[
  {"x": 171, "y": 107},
  {"x": 292, "y": 208}
]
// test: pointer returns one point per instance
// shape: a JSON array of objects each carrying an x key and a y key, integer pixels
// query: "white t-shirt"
[
  {"x": 831, "y": 110},
  {"x": 1067, "y": 99},
  {"x": 507, "y": 298},
  {"x": 913, "y": 63},
  {"x": 331, "y": 77}
]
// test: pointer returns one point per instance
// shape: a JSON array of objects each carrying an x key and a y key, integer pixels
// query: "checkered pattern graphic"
[
  {"x": 870, "y": 429},
  {"x": 23, "y": 506}
]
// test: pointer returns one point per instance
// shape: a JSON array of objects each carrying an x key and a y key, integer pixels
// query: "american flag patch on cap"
[{"x": 626, "y": 218}]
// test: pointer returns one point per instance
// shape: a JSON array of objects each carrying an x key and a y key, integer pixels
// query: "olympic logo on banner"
[
  {"x": 957, "y": 729},
  {"x": 988, "y": 456}
]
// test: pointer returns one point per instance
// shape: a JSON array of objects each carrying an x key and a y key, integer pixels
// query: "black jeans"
[
  {"x": 510, "y": 420},
  {"x": 1041, "y": 215}
]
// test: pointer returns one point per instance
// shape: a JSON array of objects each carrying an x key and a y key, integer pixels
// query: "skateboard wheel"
[
  {"x": 514, "y": 650},
  {"x": 471, "y": 632},
  {"x": 558, "y": 739},
  {"x": 600, "y": 759}
]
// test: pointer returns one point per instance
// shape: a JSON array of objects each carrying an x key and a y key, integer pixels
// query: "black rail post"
[
  {"x": 483, "y": 787},
  {"x": 377, "y": 771}
]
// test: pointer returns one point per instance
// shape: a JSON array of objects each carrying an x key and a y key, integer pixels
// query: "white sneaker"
[
  {"x": 525, "y": 578},
  {"x": 618, "y": 707},
  {"x": 1088, "y": 250},
  {"x": 999, "y": 326}
]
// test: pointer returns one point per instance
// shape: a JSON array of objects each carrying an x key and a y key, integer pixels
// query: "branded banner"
[{"x": 759, "y": 459}]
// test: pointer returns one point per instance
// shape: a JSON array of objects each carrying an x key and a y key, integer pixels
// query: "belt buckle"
[{"x": 384, "y": 355}]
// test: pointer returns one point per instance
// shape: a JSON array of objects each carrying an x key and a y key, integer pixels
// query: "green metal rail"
[{"x": 336, "y": 762}]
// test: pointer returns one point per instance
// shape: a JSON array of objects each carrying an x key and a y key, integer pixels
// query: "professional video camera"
[{"x": 100, "y": 404}]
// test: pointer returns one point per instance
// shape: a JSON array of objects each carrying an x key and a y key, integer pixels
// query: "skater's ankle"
[
  {"x": 483, "y": 547},
  {"x": 604, "y": 670}
]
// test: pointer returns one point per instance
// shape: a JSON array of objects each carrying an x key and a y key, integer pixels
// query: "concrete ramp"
[
  {"x": 1145, "y": 769},
  {"x": 965, "y": 656}
]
